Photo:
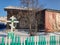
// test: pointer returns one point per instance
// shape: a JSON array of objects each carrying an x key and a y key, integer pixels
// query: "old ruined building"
[{"x": 47, "y": 19}]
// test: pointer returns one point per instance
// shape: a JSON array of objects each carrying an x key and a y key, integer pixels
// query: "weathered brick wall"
[
  {"x": 23, "y": 17},
  {"x": 51, "y": 22}
]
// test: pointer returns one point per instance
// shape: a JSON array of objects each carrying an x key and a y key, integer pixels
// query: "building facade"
[
  {"x": 52, "y": 20},
  {"x": 24, "y": 16},
  {"x": 47, "y": 19}
]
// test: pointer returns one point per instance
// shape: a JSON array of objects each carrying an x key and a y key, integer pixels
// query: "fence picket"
[{"x": 32, "y": 40}]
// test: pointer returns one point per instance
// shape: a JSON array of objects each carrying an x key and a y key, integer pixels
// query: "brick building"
[
  {"x": 52, "y": 20},
  {"x": 48, "y": 19},
  {"x": 23, "y": 15}
]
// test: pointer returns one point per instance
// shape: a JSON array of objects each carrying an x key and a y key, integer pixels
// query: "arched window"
[{"x": 23, "y": 22}]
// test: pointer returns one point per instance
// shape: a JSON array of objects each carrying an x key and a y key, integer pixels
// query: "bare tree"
[{"x": 34, "y": 5}]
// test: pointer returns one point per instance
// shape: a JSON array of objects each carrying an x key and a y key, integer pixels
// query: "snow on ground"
[{"x": 21, "y": 33}]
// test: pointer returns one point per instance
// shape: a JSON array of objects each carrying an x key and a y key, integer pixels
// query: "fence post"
[
  {"x": 35, "y": 39},
  {"x": 2, "y": 40},
  {"x": 6, "y": 41},
  {"x": 52, "y": 40}
]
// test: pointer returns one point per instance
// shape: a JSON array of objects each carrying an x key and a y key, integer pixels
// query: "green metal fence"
[{"x": 31, "y": 40}]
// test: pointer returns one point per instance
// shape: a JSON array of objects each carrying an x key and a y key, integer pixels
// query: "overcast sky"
[{"x": 52, "y": 4}]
